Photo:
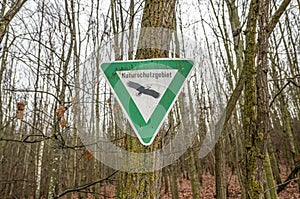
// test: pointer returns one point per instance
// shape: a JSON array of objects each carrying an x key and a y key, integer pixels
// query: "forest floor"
[{"x": 207, "y": 190}]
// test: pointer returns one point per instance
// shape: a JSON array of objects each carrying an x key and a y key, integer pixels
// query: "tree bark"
[
  {"x": 270, "y": 177},
  {"x": 252, "y": 187},
  {"x": 220, "y": 166},
  {"x": 156, "y": 29}
]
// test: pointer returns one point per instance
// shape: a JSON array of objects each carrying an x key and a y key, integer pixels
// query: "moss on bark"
[{"x": 157, "y": 26}]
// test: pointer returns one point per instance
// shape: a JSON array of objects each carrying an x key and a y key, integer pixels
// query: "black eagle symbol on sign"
[{"x": 142, "y": 90}]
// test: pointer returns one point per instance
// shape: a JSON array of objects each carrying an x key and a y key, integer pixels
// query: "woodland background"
[{"x": 253, "y": 47}]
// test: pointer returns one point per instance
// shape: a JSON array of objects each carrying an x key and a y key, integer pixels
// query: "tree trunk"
[
  {"x": 193, "y": 174},
  {"x": 269, "y": 177},
  {"x": 173, "y": 180},
  {"x": 220, "y": 167},
  {"x": 157, "y": 27},
  {"x": 252, "y": 187}
]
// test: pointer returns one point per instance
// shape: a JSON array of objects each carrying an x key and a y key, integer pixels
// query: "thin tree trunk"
[
  {"x": 39, "y": 167},
  {"x": 193, "y": 175},
  {"x": 173, "y": 181},
  {"x": 253, "y": 187},
  {"x": 220, "y": 166},
  {"x": 269, "y": 177}
]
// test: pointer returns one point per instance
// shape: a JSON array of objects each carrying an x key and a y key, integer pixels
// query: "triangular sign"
[{"x": 147, "y": 90}]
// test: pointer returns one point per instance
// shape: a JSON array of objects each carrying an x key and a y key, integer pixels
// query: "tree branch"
[
  {"x": 281, "y": 90},
  {"x": 278, "y": 93},
  {"x": 79, "y": 188},
  {"x": 275, "y": 18},
  {"x": 38, "y": 91},
  {"x": 289, "y": 178},
  {"x": 5, "y": 20}
]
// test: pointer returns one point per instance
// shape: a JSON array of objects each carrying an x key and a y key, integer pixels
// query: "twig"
[
  {"x": 278, "y": 93},
  {"x": 282, "y": 184},
  {"x": 289, "y": 178},
  {"x": 79, "y": 188},
  {"x": 38, "y": 91},
  {"x": 281, "y": 90}
]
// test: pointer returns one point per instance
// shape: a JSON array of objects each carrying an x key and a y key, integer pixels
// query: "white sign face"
[{"x": 146, "y": 87}]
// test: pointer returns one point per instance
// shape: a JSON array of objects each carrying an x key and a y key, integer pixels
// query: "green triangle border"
[{"x": 147, "y": 131}]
